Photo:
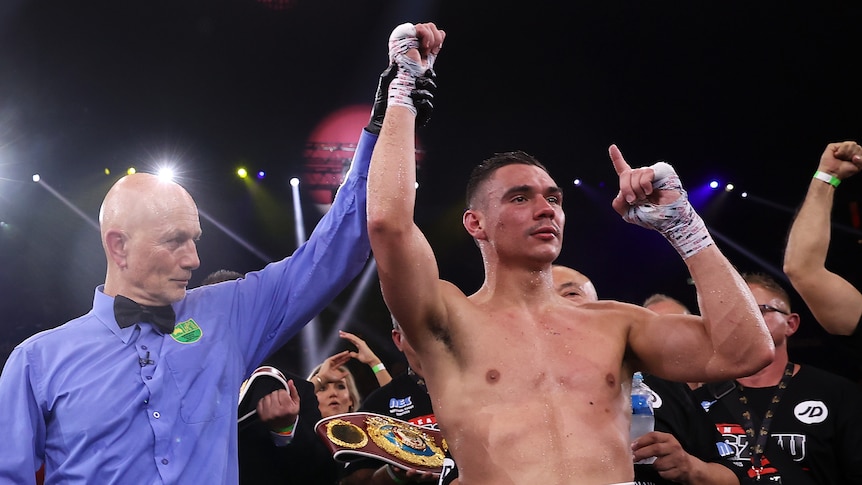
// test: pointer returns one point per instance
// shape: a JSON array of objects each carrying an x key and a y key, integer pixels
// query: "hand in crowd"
[
  {"x": 842, "y": 160},
  {"x": 280, "y": 408},
  {"x": 672, "y": 461},
  {"x": 363, "y": 353},
  {"x": 400, "y": 475},
  {"x": 331, "y": 368}
]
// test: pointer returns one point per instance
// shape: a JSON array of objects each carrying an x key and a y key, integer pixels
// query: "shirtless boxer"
[{"x": 529, "y": 388}]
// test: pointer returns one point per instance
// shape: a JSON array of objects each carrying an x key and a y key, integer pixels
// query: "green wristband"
[
  {"x": 828, "y": 178},
  {"x": 377, "y": 368},
  {"x": 393, "y": 476}
]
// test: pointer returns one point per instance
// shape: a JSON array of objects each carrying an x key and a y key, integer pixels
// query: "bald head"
[
  {"x": 665, "y": 305},
  {"x": 141, "y": 198},
  {"x": 149, "y": 231},
  {"x": 573, "y": 285}
]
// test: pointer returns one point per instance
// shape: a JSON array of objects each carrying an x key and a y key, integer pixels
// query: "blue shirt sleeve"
[
  {"x": 269, "y": 307},
  {"x": 24, "y": 444}
]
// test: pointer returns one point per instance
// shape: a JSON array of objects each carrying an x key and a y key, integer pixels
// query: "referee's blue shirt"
[{"x": 104, "y": 405}]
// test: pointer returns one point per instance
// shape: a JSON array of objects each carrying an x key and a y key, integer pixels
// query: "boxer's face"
[{"x": 522, "y": 213}]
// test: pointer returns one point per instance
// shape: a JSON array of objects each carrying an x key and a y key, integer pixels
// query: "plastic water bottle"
[{"x": 643, "y": 419}]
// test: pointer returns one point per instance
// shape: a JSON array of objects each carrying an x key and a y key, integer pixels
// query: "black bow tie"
[{"x": 128, "y": 312}]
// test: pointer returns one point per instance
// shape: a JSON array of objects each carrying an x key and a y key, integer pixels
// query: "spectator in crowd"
[
  {"x": 835, "y": 303},
  {"x": 788, "y": 423}
]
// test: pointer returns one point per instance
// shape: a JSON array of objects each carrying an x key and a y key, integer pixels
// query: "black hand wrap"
[
  {"x": 378, "y": 111},
  {"x": 423, "y": 98}
]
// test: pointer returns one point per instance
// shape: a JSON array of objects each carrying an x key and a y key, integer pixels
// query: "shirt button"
[
  {"x": 144, "y": 347},
  {"x": 157, "y": 415},
  {"x": 146, "y": 401},
  {"x": 164, "y": 461},
  {"x": 149, "y": 377}
]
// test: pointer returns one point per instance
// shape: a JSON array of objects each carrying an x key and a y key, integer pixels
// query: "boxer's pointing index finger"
[{"x": 620, "y": 164}]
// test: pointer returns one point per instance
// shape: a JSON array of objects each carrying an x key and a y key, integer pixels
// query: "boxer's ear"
[{"x": 475, "y": 224}]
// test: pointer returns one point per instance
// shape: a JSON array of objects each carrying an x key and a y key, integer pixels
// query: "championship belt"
[
  {"x": 268, "y": 379},
  {"x": 367, "y": 435}
]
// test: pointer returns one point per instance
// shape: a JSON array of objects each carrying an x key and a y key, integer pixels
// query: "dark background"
[{"x": 749, "y": 92}]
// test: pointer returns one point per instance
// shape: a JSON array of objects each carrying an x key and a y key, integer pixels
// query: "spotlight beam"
[
  {"x": 775, "y": 271},
  {"x": 95, "y": 224},
  {"x": 69, "y": 204},
  {"x": 263, "y": 257},
  {"x": 309, "y": 333},
  {"x": 345, "y": 315},
  {"x": 792, "y": 210},
  {"x": 297, "y": 213}
]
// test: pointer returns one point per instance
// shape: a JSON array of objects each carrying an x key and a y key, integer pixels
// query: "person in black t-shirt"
[
  {"x": 809, "y": 419},
  {"x": 269, "y": 457}
]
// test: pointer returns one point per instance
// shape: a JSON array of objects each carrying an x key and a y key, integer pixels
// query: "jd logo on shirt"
[{"x": 811, "y": 412}]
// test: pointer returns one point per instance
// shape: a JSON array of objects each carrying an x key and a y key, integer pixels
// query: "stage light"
[
  {"x": 728, "y": 188},
  {"x": 36, "y": 177},
  {"x": 166, "y": 174},
  {"x": 107, "y": 171},
  {"x": 294, "y": 182},
  {"x": 261, "y": 174},
  {"x": 577, "y": 182},
  {"x": 713, "y": 184},
  {"x": 131, "y": 170},
  {"x": 242, "y": 173},
  {"x": 744, "y": 195}
]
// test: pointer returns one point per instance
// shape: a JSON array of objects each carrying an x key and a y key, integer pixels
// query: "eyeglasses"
[{"x": 764, "y": 309}]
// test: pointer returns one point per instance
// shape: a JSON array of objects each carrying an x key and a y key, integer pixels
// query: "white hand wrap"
[
  {"x": 402, "y": 39},
  {"x": 677, "y": 221}
]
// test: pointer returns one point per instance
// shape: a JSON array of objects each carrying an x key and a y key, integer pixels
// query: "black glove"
[
  {"x": 422, "y": 95},
  {"x": 380, "y": 98}
]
